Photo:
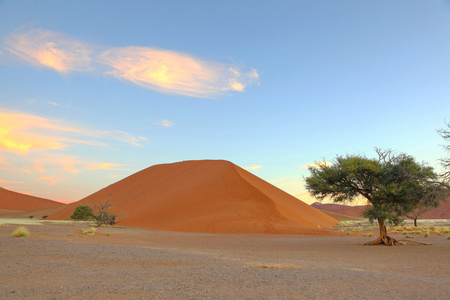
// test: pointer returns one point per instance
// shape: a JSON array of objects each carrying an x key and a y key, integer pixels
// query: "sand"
[
  {"x": 14, "y": 201},
  {"x": 57, "y": 262},
  {"x": 206, "y": 196}
]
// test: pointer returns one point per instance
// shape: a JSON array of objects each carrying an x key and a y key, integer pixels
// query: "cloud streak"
[
  {"x": 50, "y": 49},
  {"x": 165, "y": 123},
  {"x": 175, "y": 72},
  {"x": 164, "y": 71},
  {"x": 23, "y": 133},
  {"x": 253, "y": 167},
  {"x": 103, "y": 166}
]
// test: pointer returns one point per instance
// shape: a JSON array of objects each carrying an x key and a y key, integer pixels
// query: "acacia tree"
[
  {"x": 445, "y": 162},
  {"x": 101, "y": 213},
  {"x": 392, "y": 184},
  {"x": 417, "y": 212}
]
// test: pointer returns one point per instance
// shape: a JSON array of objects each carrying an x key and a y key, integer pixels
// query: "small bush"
[
  {"x": 409, "y": 236},
  {"x": 82, "y": 212},
  {"x": 90, "y": 231},
  {"x": 348, "y": 233},
  {"x": 426, "y": 234},
  {"x": 108, "y": 234},
  {"x": 21, "y": 232}
]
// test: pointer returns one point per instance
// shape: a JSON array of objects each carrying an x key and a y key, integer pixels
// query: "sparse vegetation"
[
  {"x": 393, "y": 184},
  {"x": 102, "y": 215},
  {"x": 21, "y": 232},
  {"x": 90, "y": 231}
]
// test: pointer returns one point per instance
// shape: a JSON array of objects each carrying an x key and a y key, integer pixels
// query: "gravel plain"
[{"x": 59, "y": 262}]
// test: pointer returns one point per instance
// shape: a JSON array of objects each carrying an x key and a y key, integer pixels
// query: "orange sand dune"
[
  {"x": 10, "y": 200},
  {"x": 209, "y": 196}
]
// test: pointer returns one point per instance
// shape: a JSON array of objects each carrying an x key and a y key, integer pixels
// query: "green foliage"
[
  {"x": 393, "y": 184},
  {"x": 82, "y": 212}
]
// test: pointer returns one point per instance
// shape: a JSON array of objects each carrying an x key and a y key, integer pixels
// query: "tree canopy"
[
  {"x": 394, "y": 184},
  {"x": 445, "y": 162}
]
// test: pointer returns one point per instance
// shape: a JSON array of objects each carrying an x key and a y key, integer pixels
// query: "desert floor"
[{"x": 58, "y": 262}]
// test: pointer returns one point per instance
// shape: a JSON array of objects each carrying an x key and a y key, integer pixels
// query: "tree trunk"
[
  {"x": 384, "y": 238},
  {"x": 415, "y": 221}
]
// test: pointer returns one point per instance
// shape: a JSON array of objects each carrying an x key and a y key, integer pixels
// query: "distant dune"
[
  {"x": 208, "y": 196},
  {"x": 441, "y": 212},
  {"x": 12, "y": 201}
]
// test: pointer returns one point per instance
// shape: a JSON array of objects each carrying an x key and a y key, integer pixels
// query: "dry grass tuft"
[
  {"x": 21, "y": 232},
  {"x": 90, "y": 231}
]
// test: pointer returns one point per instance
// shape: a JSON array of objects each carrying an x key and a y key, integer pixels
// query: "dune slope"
[
  {"x": 14, "y": 201},
  {"x": 208, "y": 196}
]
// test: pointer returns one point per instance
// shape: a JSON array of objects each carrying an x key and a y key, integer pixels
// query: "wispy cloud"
[
  {"x": 103, "y": 166},
  {"x": 287, "y": 183},
  {"x": 316, "y": 164},
  {"x": 165, "y": 123},
  {"x": 54, "y": 103},
  {"x": 175, "y": 72},
  {"x": 22, "y": 133},
  {"x": 50, "y": 49},
  {"x": 253, "y": 167},
  {"x": 164, "y": 71},
  {"x": 50, "y": 180},
  {"x": 8, "y": 181}
]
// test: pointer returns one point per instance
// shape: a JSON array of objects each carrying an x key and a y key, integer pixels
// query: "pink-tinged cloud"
[
  {"x": 50, "y": 49},
  {"x": 9, "y": 181},
  {"x": 175, "y": 72},
  {"x": 253, "y": 167},
  {"x": 103, "y": 166},
  {"x": 50, "y": 180},
  {"x": 21, "y": 133},
  {"x": 64, "y": 162},
  {"x": 164, "y": 71}
]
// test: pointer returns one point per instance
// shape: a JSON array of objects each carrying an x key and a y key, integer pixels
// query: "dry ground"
[{"x": 58, "y": 262}]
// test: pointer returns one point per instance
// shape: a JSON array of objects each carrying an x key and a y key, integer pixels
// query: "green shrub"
[
  {"x": 426, "y": 234},
  {"x": 21, "y": 232},
  {"x": 82, "y": 212}
]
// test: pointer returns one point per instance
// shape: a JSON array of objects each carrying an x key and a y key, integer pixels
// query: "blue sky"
[{"x": 94, "y": 91}]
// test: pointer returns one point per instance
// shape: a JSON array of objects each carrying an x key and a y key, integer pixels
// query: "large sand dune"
[
  {"x": 209, "y": 196},
  {"x": 13, "y": 201}
]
